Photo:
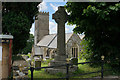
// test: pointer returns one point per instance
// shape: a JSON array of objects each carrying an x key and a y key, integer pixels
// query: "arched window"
[
  {"x": 74, "y": 52},
  {"x": 47, "y": 54}
]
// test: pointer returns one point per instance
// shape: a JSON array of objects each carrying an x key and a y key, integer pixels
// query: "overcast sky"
[{"x": 51, "y": 7}]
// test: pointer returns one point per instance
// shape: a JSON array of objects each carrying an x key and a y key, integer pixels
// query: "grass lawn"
[{"x": 81, "y": 70}]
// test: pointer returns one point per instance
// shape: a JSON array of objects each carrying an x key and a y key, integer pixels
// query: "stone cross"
[{"x": 60, "y": 17}]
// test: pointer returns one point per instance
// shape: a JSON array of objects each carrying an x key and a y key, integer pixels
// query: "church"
[{"x": 45, "y": 44}]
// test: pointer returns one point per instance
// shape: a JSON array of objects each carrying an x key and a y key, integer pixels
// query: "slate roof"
[{"x": 50, "y": 41}]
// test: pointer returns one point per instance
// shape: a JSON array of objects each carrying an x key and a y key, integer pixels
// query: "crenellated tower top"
[{"x": 42, "y": 13}]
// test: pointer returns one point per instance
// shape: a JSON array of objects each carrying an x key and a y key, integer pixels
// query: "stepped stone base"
[
  {"x": 54, "y": 71},
  {"x": 60, "y": 60},
  {"x": 61, "y": 69},
  {"x": 57, "y": 63}
]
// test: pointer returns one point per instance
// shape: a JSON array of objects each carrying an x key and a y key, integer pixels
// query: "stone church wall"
[{"x": 74, "y": 41}]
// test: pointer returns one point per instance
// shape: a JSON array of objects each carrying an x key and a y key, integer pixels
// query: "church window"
[
  {"x": 47, "y": 54},
  {"x": 75, "y": 52}
]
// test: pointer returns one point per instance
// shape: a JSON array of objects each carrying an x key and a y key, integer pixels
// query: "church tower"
[{"x": 41, "y": 26}]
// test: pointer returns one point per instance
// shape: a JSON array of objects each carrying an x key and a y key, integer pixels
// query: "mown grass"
[
  {"x": 81, "y": 70},
  {"x": 41, "y": 74},
  {"x": 86, "y": 68}
]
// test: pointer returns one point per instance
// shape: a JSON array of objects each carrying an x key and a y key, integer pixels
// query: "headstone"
[
  {"x": 37, "y": 62},
  {"x": 74, "y": 61}
]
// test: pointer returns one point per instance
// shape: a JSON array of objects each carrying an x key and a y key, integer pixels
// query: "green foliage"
[
  {"x": 17, "y": 25},
  {"x": 15, "y": 58},
  {"x": 41, "y": 74},
  {"x": 86, "y": 52},
  {"x": 29, "y": 45},
  {"x": 100, "y": 23},
  {"x": 46, "y": 62},
  {"x": 17, "y": 19}
]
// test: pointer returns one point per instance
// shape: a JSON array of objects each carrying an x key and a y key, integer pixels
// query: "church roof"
[{"x": 50, "y": 41}]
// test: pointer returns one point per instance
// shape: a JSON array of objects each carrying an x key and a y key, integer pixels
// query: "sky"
[{"x": 51, "y": 7}]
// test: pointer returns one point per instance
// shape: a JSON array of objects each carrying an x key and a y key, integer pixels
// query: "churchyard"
[
  {"x": 32, "y": 66},
  {"x": 81, "y": 69}
]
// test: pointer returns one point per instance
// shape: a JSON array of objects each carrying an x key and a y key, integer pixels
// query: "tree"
[
  {"x": 29, "y": 45},
  {"x": 17, "y": 19},
  {"x": 100, "y": 23}
]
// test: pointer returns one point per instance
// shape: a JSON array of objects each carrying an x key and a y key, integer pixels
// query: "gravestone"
[
  {"x": 37, "y": 62},
  {"x": 74, "y": 61},
  {"x": 60, "y": 17}
]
